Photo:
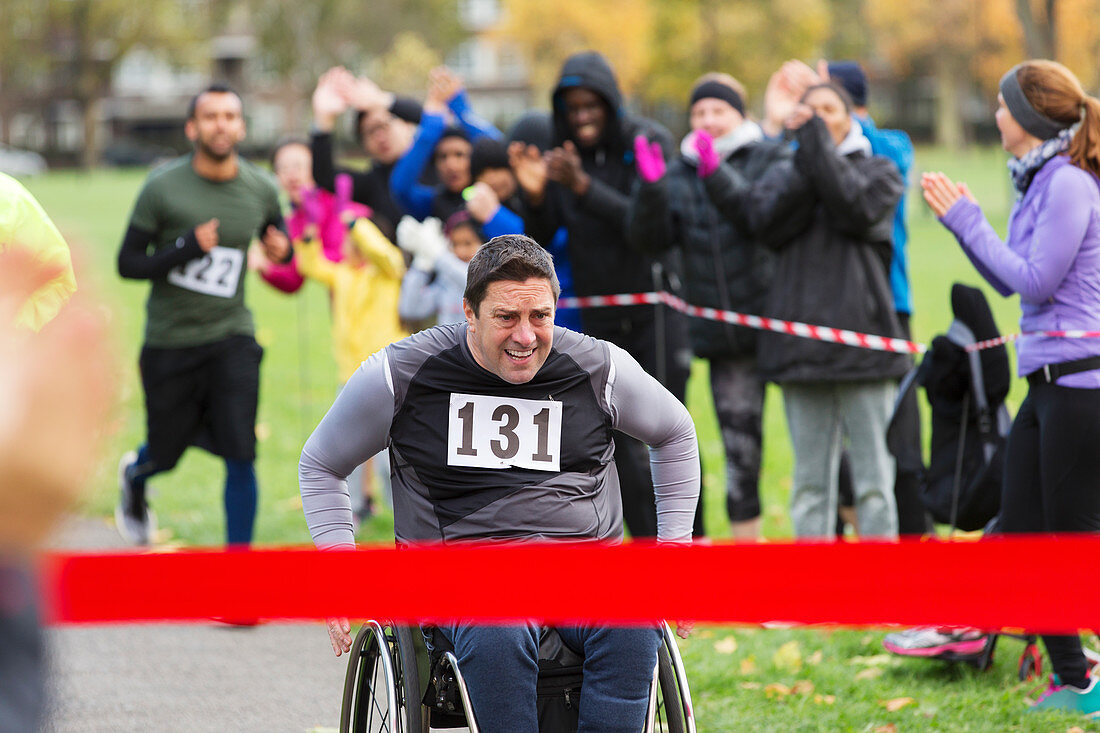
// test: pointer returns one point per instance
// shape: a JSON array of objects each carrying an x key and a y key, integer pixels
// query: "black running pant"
[
  {"x": 659, "y": 342},
  {"x": 1052, "y": 484}
]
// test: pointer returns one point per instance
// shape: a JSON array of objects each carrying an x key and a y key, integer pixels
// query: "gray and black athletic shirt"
[{"x": 476, "y": 457}]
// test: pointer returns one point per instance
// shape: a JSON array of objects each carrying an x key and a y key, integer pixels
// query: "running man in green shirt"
[{"x": 200, "y": 364}]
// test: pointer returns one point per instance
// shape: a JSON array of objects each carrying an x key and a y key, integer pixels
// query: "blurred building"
[{"x": 497, "y": 78}]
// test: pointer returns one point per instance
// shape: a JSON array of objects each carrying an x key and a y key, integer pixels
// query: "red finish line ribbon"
[
  {"x": 795, "y": 328},
  {"x": 1020, "y": 583}
]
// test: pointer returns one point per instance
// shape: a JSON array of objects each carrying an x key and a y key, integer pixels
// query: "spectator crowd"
[
  {"x": 798, "y": 216},
  {"x": 772, "y": 217}
]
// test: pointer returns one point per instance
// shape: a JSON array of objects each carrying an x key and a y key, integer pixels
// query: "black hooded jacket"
[
  {"x": 835, "y": 271},
  {"x": 603, "y": 262},
  {"x": 727, "y": 251}
]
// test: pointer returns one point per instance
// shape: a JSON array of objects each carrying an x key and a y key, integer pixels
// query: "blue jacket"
[
  {"x": 895, "y": 145},
  {"x": 417, "y": 199}
]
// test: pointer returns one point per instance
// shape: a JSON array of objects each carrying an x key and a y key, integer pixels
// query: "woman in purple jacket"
[{"x": 1052, "y": 259}]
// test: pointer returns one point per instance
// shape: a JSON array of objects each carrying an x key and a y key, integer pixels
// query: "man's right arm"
[
  {"x": 355, "y": 428},
  {"x": 136, "y": 262}
]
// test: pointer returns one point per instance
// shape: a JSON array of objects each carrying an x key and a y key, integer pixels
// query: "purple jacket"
[{"x": 1051, "y": 258}]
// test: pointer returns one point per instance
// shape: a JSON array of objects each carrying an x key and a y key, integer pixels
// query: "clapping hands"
[
  {"x": 941, "y": 193},
  {"x": 649, "y": 159},
  {"x": 423, "y": 240}
]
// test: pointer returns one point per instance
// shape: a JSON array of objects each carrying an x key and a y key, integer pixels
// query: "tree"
[
  {"x": 87, "y": 38},
  {"x": 23, "y": 63},
  {"x": 1079, "y": 43},
  {"x": 957, "y": 41},
  {"x": 745, "y": 38},
  {"x": 549, "y": 32},
  {"x": 298, "y": 40},
  {"x": 1040, "y": 29}
]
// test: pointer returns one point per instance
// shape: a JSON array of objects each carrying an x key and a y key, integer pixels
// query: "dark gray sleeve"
[
  {"x": 355, "y": 428},
  {"x": 644, "y": 409}
]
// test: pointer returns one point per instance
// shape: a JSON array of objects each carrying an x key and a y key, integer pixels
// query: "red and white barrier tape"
[
  {"x": 1002, "y": 582},
  {"x": 795, "y": 328}
]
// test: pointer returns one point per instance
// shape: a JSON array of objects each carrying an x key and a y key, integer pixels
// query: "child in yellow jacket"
[{"x": 365, "y": 287}]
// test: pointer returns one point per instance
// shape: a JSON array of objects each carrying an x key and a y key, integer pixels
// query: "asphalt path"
[{"x": 188, "y": 677}]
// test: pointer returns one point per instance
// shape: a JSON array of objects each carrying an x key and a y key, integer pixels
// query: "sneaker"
[
  {"x": 1070, "y": 699},
  {"x": 134, "y": 519},
  {"x": 363, "y": 514},
  {"x": 936, "y": 641}
]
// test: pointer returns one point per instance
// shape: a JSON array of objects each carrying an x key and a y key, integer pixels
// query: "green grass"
[{"x": 730, "y": 685}]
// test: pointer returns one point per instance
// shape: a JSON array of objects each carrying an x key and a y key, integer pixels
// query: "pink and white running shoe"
[{"x": 936, "y": 641}]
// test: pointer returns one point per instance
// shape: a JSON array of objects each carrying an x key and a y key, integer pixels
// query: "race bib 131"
[{"x": 502, "y": 432}]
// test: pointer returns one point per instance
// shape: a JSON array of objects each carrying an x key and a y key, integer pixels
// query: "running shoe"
[
  {"x": 133, "y": 517},
  {"x": 1070, "y": 699},
  {"x": 936, "y": 641}
]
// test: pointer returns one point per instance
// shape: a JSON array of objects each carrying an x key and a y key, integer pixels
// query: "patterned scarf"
[{"x": 1024, "y": 169}]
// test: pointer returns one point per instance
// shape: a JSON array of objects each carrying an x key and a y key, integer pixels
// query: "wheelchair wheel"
[
  {"x": 671, "y": 710},
  {"x": 1030, "y": 665},
  {"x": 382, "y": 685}
]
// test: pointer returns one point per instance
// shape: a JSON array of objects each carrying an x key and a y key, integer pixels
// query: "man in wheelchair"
[{"x": 500, "y": 428}]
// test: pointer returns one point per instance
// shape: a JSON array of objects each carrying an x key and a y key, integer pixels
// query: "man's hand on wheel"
[
  {"x": 684, "y": 628},
  {"x": 339, "y": 633}
]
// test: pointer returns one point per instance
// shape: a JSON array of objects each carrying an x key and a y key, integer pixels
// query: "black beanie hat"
[
  {"x": 717, "y": 90},
  {"x": 849, "y": 75},
  {"x": 453, "y": 131},
  {"x": 487, "y": 153}
]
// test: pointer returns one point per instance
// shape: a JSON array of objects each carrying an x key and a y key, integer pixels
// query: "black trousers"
[
  {"x": 1052, "y": 484},
  {"x": 203, "y": 395},
  {"x": 913, "y": 518},
  {"x": 657, "y": 337}
]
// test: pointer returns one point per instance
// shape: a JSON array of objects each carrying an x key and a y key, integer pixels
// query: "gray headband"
[{"x": 1029, "y": 118}]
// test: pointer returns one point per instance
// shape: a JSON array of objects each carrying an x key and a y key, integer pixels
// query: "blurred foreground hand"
[{"x": 55, "y": 392}]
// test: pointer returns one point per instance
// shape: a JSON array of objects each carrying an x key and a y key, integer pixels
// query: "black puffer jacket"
[
  {"x": 835, "y": 272},
  {"x": 603, "y": 263},
  {"x": 726, "y": 258}
]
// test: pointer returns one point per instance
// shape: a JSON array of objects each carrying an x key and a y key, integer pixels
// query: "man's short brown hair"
[{"x": 511, "y": 257}]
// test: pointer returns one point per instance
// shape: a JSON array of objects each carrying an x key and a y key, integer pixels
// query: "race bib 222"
[{"x": 215, "y": 273}]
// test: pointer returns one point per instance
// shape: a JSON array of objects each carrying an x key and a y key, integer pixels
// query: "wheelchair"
[{"x": 394, "y": 684}]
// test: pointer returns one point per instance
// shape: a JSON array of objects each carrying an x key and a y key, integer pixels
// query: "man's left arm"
[
  {"x": 273, "y": 234},
  {"x": 644, "y": 409}
]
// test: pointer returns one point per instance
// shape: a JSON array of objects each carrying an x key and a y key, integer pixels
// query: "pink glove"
[
  {"x": 708, "y": 157},
  {"x": 311, "y": 206},
  {"x": 649, "y": 158},
  {"x": 343, "y": 192}
]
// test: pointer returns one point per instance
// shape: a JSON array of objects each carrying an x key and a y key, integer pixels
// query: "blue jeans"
[{"x": 500, "y": 665}]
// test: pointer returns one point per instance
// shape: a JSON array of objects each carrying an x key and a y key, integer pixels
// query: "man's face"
[
  {"x": 513, "y": 331},
  {"x": 293, "y": 167},
  {"x": 218, "y": 125},
  {"x": 452, "y": 163},
  {"x": 586, "y": 114},
  {"x": 385, "y": 137}
]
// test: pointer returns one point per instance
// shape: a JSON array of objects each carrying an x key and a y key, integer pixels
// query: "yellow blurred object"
[{"x": 25, "y": 225}]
